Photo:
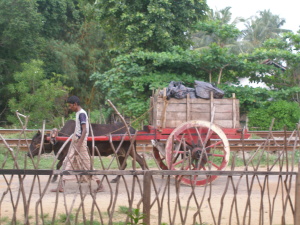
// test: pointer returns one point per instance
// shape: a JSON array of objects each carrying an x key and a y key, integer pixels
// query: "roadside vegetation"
[{"x": 100, "y": 50}]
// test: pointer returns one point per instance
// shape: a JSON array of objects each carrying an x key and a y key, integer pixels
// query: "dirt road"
[{"x": 234, "y": 201}]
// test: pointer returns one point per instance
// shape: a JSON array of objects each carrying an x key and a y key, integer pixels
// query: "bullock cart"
[{"x": 189, "y": 134}]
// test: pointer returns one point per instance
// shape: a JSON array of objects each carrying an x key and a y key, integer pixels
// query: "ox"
[{"x": 104, "y": 147}]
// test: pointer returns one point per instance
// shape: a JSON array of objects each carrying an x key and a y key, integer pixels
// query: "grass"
[
  {"x": 46, "y": 160},
  {"x": 266, "y": 158}
]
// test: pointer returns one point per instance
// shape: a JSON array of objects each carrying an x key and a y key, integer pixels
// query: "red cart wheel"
[{"x": 190, "y": 147}]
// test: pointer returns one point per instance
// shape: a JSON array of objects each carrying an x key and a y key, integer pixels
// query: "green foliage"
[
  {"x": 101, "y": 116},
  {"x": 130, "y": 83},
  {"x": 261, "y": 27},
  {"x": 136, "y": 216},
  {"x": 36, "y": 96},
  {"x": 90, "y": 223},
  {"x": 20, "y": 25},
  {"x": 59, "y": 17},
  {"x": 220, "y": 33},
  {"x": 150, "y": 25},
  {"x": 133, "y": 48},
  {"x": 82, "y": 52},
  {"x": 123, "y": 209},
  {"x": 253, "y": 98},
  {"x": 63, "y": 217},
  {"x": 285, "y": 114}
]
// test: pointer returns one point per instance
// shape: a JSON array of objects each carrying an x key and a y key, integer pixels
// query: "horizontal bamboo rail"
[{"x": 142, "y": 172}]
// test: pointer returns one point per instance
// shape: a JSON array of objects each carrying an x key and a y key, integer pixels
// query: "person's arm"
[{"x": 82, "y": 137}]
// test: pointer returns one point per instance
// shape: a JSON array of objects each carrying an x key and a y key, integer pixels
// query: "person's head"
[{"x": 74, "y": 103}]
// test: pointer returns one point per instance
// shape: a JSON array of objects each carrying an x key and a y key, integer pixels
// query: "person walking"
[{"x": 78, "y": 157}]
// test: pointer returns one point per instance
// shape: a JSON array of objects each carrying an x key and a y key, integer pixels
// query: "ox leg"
[
  {"x": 58, "y": 165},
  {"x": 139, "y": 159},
  {"x": 121, "y": 159}
]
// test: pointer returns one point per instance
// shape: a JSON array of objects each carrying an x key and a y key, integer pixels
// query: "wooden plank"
[
  {"x": 26, "y": 172},
  {"x": 234, "y": 116},
  {"x": 212, "y": 108},
  {"x": 151, "y": 113},
  {"x": 176, "y": 107},
  {"x": 143, "y": 172},
  {"x": 182, "y": 110},
  {"x": 172, "y": 123},
  {"x": 154, "y": 111},
  {"x": 223, "y": 101},
  {"x": 196, "y": 116},
  {"x": 164, "y": 110},
  {"x": 223, "y": 116},
  {"x": 198, "y": 108},
  {"x": 200, "y": 116},
  {"x": 147, "y": 197},
  {"x": 205, "y": 108},
  {"x": 174, "y": 116},
  {"x": 224, "y": 109},
  {"x": 224, "y": 123},
  {"x": 297, "y": 199},
  {"x": 188, "y": 108}
]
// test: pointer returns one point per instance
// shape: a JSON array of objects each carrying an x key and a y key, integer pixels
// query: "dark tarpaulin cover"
[{"x": 202, "y": 90}]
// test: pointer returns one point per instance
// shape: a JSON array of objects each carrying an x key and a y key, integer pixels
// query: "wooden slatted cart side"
[{"x": 173, "y": 112}]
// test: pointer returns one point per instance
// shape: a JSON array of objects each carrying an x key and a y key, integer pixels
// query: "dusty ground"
[{"x": 214, "y": 201}]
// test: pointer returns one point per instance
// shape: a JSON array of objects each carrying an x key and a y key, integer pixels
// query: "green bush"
[
  {"x": 34, "y": 95},
  {"x": 285, "y": 114}
]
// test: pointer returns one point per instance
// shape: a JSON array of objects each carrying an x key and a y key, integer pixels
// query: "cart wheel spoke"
[
  {"x": 196, "y": 151},
  {"x": 218, "y": 155},
  {"x": 179, "y": 162},
  {"x": 190, "y": 138},
  {"x": 214, "y": 145},
  {"x": 214, "y": 165}
]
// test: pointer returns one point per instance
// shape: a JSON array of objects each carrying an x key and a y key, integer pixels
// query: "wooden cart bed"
[{"x": 173, "y": 112}]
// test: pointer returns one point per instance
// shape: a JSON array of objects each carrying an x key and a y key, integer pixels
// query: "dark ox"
[{"x": 104, "y": 147}]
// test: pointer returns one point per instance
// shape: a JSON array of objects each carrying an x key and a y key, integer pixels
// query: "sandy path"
[{"x": 271, "y": 200}]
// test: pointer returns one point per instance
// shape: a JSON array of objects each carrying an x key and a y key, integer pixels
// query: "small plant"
[
  {"x": 123, "y": 209},
  {"x": 136, "y": 216},
  {"x": 63, "y": 217},
  {"x": 90, "y": 223}
]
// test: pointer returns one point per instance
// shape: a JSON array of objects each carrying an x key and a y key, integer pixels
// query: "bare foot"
[
  {"x": 57, "y": 189},
  {"x": 99, "y": 189}
]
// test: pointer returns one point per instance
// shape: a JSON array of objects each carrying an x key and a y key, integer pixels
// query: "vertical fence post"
[
  {"x": 147, "y": 197},
  {"x": 297, "y": 198}
]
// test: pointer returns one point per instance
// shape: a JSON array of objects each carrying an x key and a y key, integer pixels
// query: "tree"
[
  {"x": 261, "y": 27},
  {"x": 20, "y": 25},
  {"x": 218, "y": 29},
  {"x": 285, "y": 58},
  {"x": 36, "y": 96},
  {"x": 154, "y": 25},
  {"x": 60, "y": 18},
  {"x": 77, "y": 46},
  {"x": 134, "y": 76},
  {"x": 285, "y": 114}
]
